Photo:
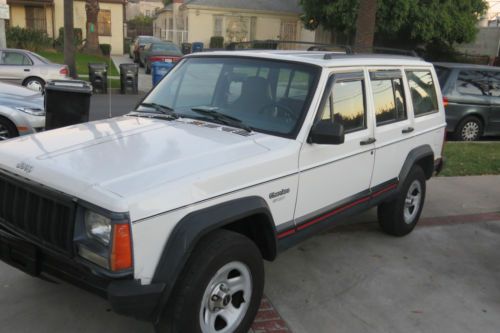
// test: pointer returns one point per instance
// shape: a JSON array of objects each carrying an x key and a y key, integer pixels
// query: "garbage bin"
[
  {"x": 197, "y": 47},
  {"x": 129, "y": 78},
  {"x": 98, "y": 77},
  {"x": 67, "y": 102},
  {"x": 159, "y": 69},
  {"x": 186, "y": 48}
]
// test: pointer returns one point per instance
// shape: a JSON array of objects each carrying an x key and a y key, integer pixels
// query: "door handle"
[
  {"x": 26, "y": 70},
  {"x": 368, "y": 141},
  {"x": 407, "y": 130}
]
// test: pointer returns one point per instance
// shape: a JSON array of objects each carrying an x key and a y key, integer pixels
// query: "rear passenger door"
[
  {"x": 393, "y": 125},
  {"x": 333, "y": 176}
]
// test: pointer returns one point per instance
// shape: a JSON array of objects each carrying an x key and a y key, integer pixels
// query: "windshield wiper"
[
  {"x": 163, "y": 109},
  {"x": 222, "y": 117}
]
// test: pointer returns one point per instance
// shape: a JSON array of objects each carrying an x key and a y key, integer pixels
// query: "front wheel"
[
  {"x": 34, "y": 83},
  {"x": 220, "y": 289},
  {"x": 399, "y": 216}
]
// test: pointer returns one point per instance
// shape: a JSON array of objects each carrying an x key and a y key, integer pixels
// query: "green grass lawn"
[
  {"x": 468, "y": 159},
  {"x": 82, "y": 61}
]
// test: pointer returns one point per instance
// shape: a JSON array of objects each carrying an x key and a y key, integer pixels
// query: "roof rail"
[
  {"x": 386, "y": 50},
  {"x": 287, "y": 45}
]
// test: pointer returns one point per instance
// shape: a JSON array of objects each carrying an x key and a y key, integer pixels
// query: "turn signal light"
[
  {"x": 121, "y": 254},
  {"x": 64, "y": 71}
]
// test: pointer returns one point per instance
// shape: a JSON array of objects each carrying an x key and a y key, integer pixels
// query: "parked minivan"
[{"x": 472, "y": 99}]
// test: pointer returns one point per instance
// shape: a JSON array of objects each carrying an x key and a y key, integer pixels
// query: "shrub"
[
  {"x": 28, "y": 39},
  {"x": 217, "y": 42},
  {"x": 105, "y": 49},
  {"x": 78, "y": 38}
]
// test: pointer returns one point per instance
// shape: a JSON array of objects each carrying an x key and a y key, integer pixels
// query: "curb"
[
  {"x": 460, "y": 219},
  {"x": 268, "y": 319}
]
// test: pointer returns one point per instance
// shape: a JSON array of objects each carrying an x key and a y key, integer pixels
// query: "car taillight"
[
  {"x": 64, "y": 71},
  {"x": 121, "y": 254},
  {"x": 445, "y": 101}
]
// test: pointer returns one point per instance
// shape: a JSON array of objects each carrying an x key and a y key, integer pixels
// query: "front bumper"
[{"x": 126, "y": 296}]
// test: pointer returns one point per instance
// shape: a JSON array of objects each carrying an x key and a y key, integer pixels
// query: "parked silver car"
[
  {"x": 21, "y": 111},
  {"x": 29, "y": 69}
]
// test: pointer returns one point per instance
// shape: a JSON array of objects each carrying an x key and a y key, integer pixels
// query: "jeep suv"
[
  {"x": 472, "y": 99},
  {"x": 233, "y": 157}
]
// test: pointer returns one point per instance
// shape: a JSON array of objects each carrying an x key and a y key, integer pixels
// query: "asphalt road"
[{"x": 112, "y": 105}]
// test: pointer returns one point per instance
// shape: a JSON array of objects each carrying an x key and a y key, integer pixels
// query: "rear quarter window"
[{"x": 422, "y": 91}]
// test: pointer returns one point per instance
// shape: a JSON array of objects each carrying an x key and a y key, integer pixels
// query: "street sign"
[{"x": 4, "y": 12}]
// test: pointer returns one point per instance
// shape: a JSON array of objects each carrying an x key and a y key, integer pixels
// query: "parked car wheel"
[
  {"x": 34, "y": 83},
  {"x": 148, "y": 68},
  {"x": 399, "y": 216},
  {"x": 469, "y": 129},
  {"x": 7, "y": 129},
  {"x": 220, "y": 289}
]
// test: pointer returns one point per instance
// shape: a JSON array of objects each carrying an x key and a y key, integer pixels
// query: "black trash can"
[
  {"x": 129, "y": 78},
  {"x": 98, "y": 77},
  {"x": 67, "y": 102},
  {"x": 186, "y": 48}
]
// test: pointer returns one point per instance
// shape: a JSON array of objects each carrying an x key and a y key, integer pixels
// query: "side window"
[
  {"x": 494, "y": 83},
  {"x": 388, "y": 97},
  {"x": 472, "y": 83},
  {"x": 15, "y": 58},
  {"x": 423, "y": 92},
  {"x": 346, "y": 104}
]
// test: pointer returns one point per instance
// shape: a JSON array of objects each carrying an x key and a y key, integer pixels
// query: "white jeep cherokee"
[{"x": 232, "y": 158}]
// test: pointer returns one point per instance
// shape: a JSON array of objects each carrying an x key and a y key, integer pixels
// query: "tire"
[
  {"x": 141, "y": 64},
  {"x": 217, "y": 259},
  {"x": 399, "y": 217},
  {"x": 148, "y": 68},
  {"x": 469, "y": 129},
  {"x": 34, "y": 83},
  {"x": 7, "y": 129}
]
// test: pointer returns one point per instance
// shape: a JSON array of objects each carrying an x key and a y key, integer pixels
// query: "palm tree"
[
  {"x": 69, "y": 45},
  {"x": 365, "y": 24},
  {"x": 92, "y": 11}
]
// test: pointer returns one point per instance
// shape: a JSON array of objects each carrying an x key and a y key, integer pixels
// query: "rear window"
[
  {"x": 442, "y": 73},
  {"x": 423, "y": 92}
]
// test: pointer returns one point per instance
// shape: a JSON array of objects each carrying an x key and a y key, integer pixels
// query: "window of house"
[
  {"x": 104, "y": 23},
  {"x": 148, "y": 12},
  {"x": 346, "y": 104},
  {"x": 472, "y": 83},
  {"x": 218, "y": 26},
  {"x": 423, "y": 92},
  {"x": 388, "y": 99},
  {"x": 35, "y": 18}
]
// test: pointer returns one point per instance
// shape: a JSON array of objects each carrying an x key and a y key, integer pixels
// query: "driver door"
[{"x": 334, "y": 178}]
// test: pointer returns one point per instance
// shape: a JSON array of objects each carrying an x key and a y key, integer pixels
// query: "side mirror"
[{"x": 326, "y": 132}]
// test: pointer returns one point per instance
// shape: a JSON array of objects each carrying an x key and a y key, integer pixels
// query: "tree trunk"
[
  {"x": 92, "y": 11},
  {"x": 69, "y": 44},
  {"x": 365, "y": 24}
]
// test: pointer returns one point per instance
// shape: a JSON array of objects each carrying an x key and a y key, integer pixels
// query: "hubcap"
[
  {"x": 470, "y": 131},
  {"x": 4, "y": 133},
  {"x": 226, "y": 299},
  {"x": 412, "y": 202},
  {"x": 34, "y": 85}
]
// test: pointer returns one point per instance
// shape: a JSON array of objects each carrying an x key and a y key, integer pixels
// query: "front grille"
[{"x": 41, "y": 215}]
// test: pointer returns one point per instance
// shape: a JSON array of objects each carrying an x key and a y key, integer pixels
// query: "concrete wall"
[{"x": 487, "y": 43}]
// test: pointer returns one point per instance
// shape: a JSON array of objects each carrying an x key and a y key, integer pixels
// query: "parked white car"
[
  {"x": 233, "y": 157},
  {"x": 21, "y": 111},
  {"x": 29, "y": 69}
]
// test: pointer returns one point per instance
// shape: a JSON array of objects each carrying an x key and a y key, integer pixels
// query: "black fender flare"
[
  {"x": 415, "y": 155},
  {"x": 190, "y": 229}
]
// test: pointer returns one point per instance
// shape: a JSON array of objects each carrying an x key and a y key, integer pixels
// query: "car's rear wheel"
[
  {"x": 34, "y": 83},
  {"x": 469, "y": 129},
  {"x": 7, "y": 129},
  {"x": 219, "y": 290},
  {"x": 400, "y": 216},
  {"x": 148, "y": 68}
]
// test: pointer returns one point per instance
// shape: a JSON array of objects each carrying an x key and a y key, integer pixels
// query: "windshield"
[{"x": 265, "y": 95}]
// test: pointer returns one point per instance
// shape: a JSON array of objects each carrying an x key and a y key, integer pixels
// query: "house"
[
  {"x": 142, "y": 7},
  {"x": 48, "y": 16},
  {"x": 235, "y": 20}
]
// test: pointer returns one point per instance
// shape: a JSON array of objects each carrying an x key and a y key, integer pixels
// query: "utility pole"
[{"x": 4, "y": 15}]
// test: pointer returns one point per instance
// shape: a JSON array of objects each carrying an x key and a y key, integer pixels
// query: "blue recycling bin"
[
  {"x": 198, "y": 47},
  {"x": 159, "y": 69}
]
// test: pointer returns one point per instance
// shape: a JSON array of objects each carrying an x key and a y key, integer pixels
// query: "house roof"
[{"x": 282, "y": 6}]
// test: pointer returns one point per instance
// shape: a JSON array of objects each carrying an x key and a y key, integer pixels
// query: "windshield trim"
[{"x": 316, "y": 71}]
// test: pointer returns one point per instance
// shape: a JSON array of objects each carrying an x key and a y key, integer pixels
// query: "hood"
[
  {"x": 124, "y": 156},
  {"x": 11, "y": 95}
]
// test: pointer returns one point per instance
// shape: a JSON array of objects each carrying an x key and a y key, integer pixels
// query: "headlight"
[
  {"x": 31, "y": 111},
  {"x": 98, "y": 227}
]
